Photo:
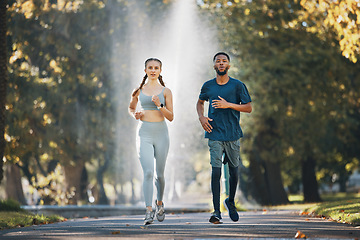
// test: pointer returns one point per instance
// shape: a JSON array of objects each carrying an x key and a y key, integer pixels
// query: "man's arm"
[
  {"x": 203, "y": 120},
  {"x": 222, "y": 103}
]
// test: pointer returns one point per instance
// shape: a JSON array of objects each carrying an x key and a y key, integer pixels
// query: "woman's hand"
[
  {"x": 138, "y": 115},
  {"x": 156, "y": 100}
]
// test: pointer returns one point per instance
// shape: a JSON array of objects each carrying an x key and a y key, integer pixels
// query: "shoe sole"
[
  {"x": 148, "y": 223},
  {"x": 160, "y": 218},
  {"x": 215, "y": 220},
  {"x": 229, "y": 212}
]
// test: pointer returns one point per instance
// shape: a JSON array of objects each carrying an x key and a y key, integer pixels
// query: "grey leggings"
[{"x": 153, "y": 143}]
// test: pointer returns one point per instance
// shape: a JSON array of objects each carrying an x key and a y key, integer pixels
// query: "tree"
[
  {"x": 3, "y": 79},
  {"x": 342, "y": 16},
  {"x": 291, "y": 74},
  {"x": 47, "y": 58},
  {"x": 67, "y": 125}
]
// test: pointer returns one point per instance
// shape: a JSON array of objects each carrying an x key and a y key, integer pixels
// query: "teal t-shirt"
[{"x": 226, "y": 122}]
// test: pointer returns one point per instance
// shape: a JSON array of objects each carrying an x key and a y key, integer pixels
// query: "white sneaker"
[
  {"x": 160, "y": 211},
  {"x": 149, "y": 217}
]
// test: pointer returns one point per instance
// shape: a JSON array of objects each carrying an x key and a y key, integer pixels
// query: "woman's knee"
[
  {"x": 160, "y": 178},
  {"x": 148, "y": 175}
]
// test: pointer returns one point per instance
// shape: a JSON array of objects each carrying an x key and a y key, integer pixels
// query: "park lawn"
[
  {"x": 344, "y": 211},
  {"x": 339, "y": 207},
  {"x": 14, "y": 219}
]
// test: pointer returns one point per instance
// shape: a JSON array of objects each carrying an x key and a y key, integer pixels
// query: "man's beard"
[{"x": 223, "y": 72}]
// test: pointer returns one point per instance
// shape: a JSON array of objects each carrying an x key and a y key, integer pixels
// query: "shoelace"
[
  {"x": 148, "y": 215},
  {"x": 160, "y": 209}
]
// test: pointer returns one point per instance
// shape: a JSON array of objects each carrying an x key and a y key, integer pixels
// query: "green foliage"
[
  {"x": 10, "y": 205},
  {"x": 305, "y": 93},
  {"x": 11, "y": 219},
  {"x": 68, "y": 91},
  {"x": 72, "y": 115}
]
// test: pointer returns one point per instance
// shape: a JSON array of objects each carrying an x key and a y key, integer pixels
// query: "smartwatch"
[{"x": 161, "y": 106}]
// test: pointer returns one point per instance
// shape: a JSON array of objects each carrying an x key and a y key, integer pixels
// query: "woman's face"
[{"x": 153, "y": 69}]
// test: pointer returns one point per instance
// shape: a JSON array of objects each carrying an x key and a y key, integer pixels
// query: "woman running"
[{"x": 153, "y": 137}]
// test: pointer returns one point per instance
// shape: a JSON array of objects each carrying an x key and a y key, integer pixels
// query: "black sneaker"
[
  {"x": 231, "y": 209},
  {"x": 215, "y": 217}
]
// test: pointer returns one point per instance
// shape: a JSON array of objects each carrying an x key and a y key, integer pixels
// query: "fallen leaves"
[
  {"x": 115, "y": 232},
  {"x": 304, "y": 213},
  {"x": 299, "y": 234}
]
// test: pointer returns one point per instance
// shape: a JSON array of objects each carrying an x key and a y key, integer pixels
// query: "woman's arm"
[
  {"x": 167, "y": 111},
  {"x": 132, "y": 107}
]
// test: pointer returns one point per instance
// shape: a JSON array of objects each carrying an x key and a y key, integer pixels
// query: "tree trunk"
[
  {"x": 310, "y": 184},
  {"x": 13, "y": 187},
  {"x": 3, "y": 80},
  {"x": 84, "y": 182},
  {"x": 343, "y": 178},
  {"x": 267, "y": 186},
  {"x": 103, "y": 199},
  {"x": 274, "y": 183},
  {"x": 73, "y": 175},
  {"x": 257, "y": 184}
]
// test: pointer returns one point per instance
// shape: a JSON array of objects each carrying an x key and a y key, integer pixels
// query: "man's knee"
[
  {"x": 233, "y": 171},
  {"x": 216, "y": 173}
]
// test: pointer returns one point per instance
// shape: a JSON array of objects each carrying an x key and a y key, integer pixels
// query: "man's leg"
[
  {"x": 215, "y": 187},
  {"x": 233, "y": 153},
  {"x": 216, "y": 151},
  {"x": 234, "y": 176}
]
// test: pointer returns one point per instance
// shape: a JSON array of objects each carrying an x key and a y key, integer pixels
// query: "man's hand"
[
  {"x": 205, "y": 123},
  {"x": 222, "y": 103}
]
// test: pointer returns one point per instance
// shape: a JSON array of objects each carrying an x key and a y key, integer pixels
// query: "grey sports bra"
[{"x": 147, "y": 104}]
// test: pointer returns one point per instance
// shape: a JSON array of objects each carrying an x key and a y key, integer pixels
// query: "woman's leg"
[
  {"x": 161, "y": 151},
  {"x": 146, "y": 157}
]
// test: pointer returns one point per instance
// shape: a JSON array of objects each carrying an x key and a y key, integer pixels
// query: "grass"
[
  {"x": 11, "y": 219},
  {"x": 339, "y": 207},
  {"x": 13, "y": 216},
  {"x": 344, "y": 208}
]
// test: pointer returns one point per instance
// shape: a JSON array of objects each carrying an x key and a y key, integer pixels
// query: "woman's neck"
[{"x": 153, "y": 82}]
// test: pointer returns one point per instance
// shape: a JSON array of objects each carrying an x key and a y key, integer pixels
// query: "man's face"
[{"x": 221, "y": 65}]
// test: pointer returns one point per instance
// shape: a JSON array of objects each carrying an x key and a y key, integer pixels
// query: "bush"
[{"x": 10, "y": 205}]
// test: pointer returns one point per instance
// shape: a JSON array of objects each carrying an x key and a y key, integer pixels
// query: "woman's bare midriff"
[{"x": 152, "y": 116}]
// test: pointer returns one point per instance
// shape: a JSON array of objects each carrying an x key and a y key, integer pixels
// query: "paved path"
[{"x": 252, "y": 225}]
